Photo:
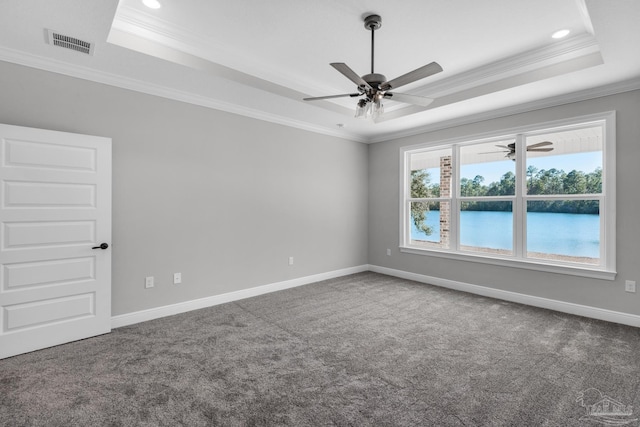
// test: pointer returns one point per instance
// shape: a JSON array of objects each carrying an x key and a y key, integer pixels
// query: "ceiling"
[{"x": 260, "y": 59}]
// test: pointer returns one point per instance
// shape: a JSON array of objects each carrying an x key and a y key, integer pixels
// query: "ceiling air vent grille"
[{"x": 69, "y": 42}]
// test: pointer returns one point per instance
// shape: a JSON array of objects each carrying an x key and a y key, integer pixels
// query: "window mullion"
[
  {"x": 519, "y": 214},
  {"x": 405, "y": 207},
  {"x": 604, "y": 238}
]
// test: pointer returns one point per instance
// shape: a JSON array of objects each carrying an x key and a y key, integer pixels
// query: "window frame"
[{"x": 607, "y": 200}]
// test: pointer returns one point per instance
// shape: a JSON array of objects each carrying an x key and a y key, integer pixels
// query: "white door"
[{"x": 55, "y": 207}]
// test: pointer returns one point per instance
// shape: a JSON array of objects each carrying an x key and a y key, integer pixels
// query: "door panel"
[
  {"x": 45, "y": 312},
  {"x": 29, "y": 153},
  {"x": 59, "y": 271},
  {"x": 43, "y": 194},
  {"x": 55, "y": 207},
  {"x": 50, "y": 233}
]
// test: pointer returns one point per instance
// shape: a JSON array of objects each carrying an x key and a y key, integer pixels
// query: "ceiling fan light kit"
[
  {"x": 366, "y": 109},
  {"x": 373, "y": 87}
]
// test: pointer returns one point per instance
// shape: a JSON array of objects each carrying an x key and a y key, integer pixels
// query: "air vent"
[{"x": 69, "y": 42}]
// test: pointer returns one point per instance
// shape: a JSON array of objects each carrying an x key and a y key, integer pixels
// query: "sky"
[{"x": 492, "y": 171}]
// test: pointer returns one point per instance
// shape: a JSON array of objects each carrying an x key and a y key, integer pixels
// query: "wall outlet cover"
[{"x": 630, "y": 285}]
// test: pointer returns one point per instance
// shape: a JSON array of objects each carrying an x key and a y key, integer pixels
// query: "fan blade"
[
  {"x": 540, "y": 149},
  {"x": 540, "y": 144},
  {"x": 503, "y": 146},
  {"x": 350, "y": 74},
  {"x": 412, "y": 76},
  {"x": 331, "y": 96},
  {"x": 493, "y": 152},
  {"x": 423, "y": 101}
]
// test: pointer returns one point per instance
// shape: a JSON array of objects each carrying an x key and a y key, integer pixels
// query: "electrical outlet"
[
  {"x": 290, "y": 260},
  {"x": 177, "y": 278},
  {"x": 388, "y": 252},
  {"x": 630, "y": 285},
  {"x": 148, "y": 282}
]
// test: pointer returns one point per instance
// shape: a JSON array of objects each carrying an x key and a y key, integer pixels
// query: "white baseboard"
[
  {"x": 565, "y": 307},
  {"x": 182, "y": 307}
]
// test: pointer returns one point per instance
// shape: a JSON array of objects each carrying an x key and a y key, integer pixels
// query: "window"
[{"x": 541, "y": 197}]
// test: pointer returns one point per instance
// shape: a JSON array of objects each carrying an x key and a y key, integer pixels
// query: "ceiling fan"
[
  {"x": 374, "y": 87},
  {"x": 510, "y": 149}
]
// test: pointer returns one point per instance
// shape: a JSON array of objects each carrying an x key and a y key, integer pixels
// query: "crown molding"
[
  {"x": 85, "y": 73},
  {"x": 141, "y": 24},
  {"x": 553, "y": 54},
  {"x": 517, "y": 64},
  {"x": 583, "y": 95},
  {"x": 133, "y": 21}
]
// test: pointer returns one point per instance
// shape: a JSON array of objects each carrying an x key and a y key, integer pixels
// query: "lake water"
[{"x": 553, "y": 233}]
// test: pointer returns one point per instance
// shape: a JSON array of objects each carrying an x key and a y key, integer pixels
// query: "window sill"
[{"x": 594, "y": 273}]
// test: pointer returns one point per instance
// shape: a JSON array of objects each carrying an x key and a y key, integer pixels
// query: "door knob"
[{"x": 102, "y": 246}]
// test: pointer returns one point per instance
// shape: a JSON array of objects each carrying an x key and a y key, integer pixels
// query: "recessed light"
[
  {"x": 152, "y": 4},
  {"x": 560, "y": 34}
]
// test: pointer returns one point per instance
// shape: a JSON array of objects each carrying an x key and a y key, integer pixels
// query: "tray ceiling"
[{"x": 261, "y": 58}]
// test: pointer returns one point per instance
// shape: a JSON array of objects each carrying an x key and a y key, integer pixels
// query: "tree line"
[{"x": 539, "y": 182}]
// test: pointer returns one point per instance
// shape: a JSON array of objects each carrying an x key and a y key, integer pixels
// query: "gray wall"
[
  {"x": 384, "y": 213},
  {"x": 223, "y": 199}
]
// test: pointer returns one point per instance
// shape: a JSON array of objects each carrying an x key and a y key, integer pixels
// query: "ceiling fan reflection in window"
[
  {"x": 510, "y": 149},
  {"x": 374, "y": 87}
]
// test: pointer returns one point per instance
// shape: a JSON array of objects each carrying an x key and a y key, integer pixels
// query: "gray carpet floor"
[{"x": 361, "y": 350}]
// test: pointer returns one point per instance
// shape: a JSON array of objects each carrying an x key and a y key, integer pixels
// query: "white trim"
[
  {"x": 605, "y": 270},
  {"x": 182, "y": 307},
  {"x": 511, "y": 132},
  {"x": 553, "y": 53},
  {"x": 565, "y": 307},
  {"x": 584, "y": 13},
  {"x": 609, "y": 189},
  {"x": 550, "y": 304},
  {"x": 86, "y": 73},
  {"x": 538, "y": 265},
  {"x": 136, "y": 23},
  {"x": 584, "y": 95}
]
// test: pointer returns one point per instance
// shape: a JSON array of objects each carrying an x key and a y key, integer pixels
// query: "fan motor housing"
[{"x": 374, "y": 79}]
